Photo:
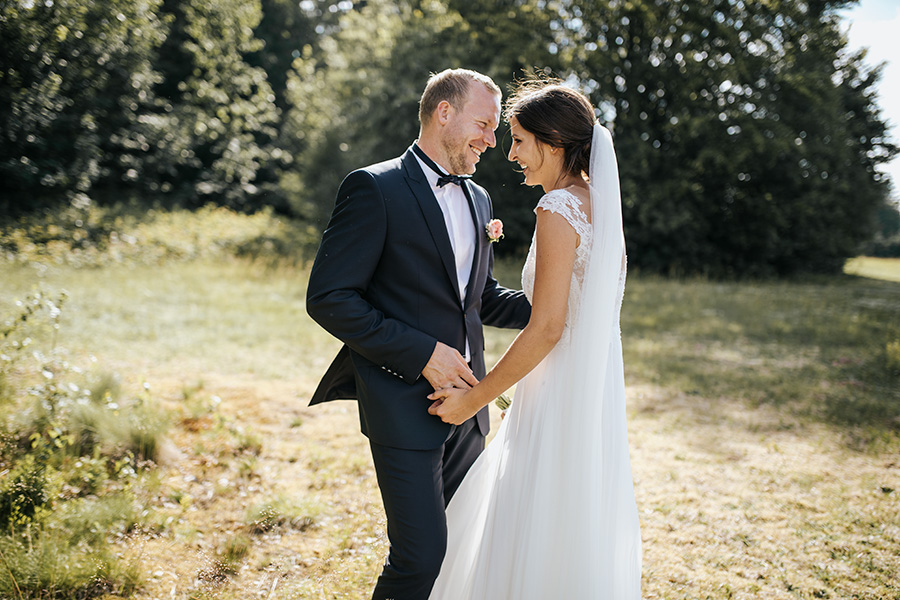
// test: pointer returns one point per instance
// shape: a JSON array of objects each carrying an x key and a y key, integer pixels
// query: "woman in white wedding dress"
[{"x": 548, "y": 510}]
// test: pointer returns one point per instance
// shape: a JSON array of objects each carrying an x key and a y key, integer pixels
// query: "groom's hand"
[{"x": 447, "y": 368}]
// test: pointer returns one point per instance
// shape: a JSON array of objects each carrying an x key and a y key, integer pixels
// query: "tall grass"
[
  {"x": 88, "y": 235},
  {"x": 72, "y": 453}
]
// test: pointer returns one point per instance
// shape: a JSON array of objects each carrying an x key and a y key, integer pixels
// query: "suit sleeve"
[
  {"x": 347, "y": 258},
  {"x": 500, "y": 306},
  {"x": 503, "y": 307}
]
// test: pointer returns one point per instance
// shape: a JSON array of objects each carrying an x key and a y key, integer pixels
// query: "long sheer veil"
[
  {"x": 598, "y": 320},
  {"x": 597, "y": 377}
]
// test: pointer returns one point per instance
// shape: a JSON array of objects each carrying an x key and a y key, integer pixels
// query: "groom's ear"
[{"x": 443, "y": 112}]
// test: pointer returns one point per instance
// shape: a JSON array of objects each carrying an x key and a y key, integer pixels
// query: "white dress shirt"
[{"x": 460, "y": 227}]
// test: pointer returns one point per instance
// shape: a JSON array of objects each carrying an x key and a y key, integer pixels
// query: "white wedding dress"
[{"x": 548, "y": 510}]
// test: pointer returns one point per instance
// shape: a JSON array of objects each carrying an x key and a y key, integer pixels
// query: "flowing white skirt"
[{"x": 548, "y": 510}]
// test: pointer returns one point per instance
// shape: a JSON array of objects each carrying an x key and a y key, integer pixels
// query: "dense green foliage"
[
  {"x": 75, "y": 77},
  {"x": 886, "y": 242},
  {"x": 748, "y": 136}
]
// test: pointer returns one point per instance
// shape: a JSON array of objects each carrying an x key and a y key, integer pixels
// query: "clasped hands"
[{"x": 451, "y": 378}]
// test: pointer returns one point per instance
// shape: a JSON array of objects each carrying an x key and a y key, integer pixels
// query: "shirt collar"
[{"x": 430, "y": 175}]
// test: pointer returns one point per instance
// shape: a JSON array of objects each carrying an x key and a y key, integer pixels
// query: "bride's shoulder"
[
  {"x": 555, "y": 199},
  {"x": 563, "y": 201}
]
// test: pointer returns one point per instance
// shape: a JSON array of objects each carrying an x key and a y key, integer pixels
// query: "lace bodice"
[{"x": 569, "y": 206}]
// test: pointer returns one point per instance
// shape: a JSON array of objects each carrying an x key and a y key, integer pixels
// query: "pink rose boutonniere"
[{"x": 494, "y": 230}]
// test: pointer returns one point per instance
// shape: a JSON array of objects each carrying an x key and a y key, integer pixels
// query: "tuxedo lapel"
[
  {"x": 479, "y": 217},
  {"x": 434, "y": 218}
]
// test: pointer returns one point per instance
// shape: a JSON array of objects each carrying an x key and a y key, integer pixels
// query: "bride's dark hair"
[{"x": 557, "y": 116}]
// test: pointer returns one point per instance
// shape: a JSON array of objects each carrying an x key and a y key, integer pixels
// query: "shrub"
[
  {"x": 22, "y": 492},
  {"x": 117, "y": 428}
]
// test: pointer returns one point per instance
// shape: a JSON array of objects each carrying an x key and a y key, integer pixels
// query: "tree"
[
  {"x": 73, "y": 77},
  {"x": 285, "y": 29},
  {"x": 213, "y": 128},
  {"x": 747, "y": 137}
]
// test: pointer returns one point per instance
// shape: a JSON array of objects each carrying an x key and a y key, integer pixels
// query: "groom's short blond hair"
[{"x": 451, "y": 85}]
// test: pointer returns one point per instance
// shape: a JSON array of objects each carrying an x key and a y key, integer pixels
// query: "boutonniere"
[{"x": 494, "y": 229}]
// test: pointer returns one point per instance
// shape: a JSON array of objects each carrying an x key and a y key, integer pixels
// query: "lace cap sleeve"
[{"x": 567, "y": 205}]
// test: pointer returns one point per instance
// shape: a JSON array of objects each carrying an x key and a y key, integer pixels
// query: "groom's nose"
[{"x": 490, "y": 139}]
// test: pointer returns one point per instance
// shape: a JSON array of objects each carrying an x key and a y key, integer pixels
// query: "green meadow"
[{"x": 764, "y": 423}]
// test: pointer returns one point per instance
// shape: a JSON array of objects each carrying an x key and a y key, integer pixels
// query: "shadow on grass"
[{"x": 822, "y": 349}]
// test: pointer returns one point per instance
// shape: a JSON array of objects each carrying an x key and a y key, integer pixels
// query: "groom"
[{"x": 403, "y": 278}]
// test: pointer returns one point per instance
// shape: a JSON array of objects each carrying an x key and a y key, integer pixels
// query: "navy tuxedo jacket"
[{"x": 384, "y": 283}]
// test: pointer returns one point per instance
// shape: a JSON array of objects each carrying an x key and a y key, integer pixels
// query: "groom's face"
[{"x": 470, "y": 130}]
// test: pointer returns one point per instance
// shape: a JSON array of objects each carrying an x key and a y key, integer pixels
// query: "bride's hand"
[{"x": 450, "y": 404}]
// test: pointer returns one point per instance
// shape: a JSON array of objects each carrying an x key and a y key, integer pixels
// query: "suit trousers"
[{"x": 416, "y": 486}]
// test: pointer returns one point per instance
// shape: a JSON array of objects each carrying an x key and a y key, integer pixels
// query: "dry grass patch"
[
  {"x": 739, "y": 503},
  {"x": 300, "y": 518}
]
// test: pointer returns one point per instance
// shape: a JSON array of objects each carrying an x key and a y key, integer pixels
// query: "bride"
[{"x": 548, "y": 510}]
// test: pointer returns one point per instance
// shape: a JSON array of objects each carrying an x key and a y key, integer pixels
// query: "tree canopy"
[{"x": 748, "y": 135}]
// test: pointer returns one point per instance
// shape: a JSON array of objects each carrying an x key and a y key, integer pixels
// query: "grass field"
[
  {"x": 764, "y": 423},
  {"x": 887, "y": 269}
]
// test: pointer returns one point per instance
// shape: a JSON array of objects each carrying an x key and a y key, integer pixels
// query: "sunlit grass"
[
  {"x": 76, "y": 457},
  {"x": 231, "y": 317},
  {"x": 762, "y": 421},
  {"x": 818, "y": 350},
  {"x": 875, "y": 268},
  {"x": 50, "y": 565},
  {"x": 131, "y": 234}
]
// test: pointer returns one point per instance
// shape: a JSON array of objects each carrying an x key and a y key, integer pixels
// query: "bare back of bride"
[{"x": 548, "y": 510}]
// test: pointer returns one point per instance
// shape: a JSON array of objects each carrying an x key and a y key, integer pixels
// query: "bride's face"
[{"x": 539, "y": 162}]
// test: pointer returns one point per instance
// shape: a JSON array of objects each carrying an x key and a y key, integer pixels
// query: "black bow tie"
[
  {"x": 443, "y": 179},
  {"x": 457, "y": 179}
]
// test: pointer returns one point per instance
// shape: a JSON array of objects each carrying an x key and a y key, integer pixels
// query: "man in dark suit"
[{"x": 403, "y": 278}]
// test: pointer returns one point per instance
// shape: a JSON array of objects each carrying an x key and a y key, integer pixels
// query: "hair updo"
[{"x": 557, "y": 116}]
